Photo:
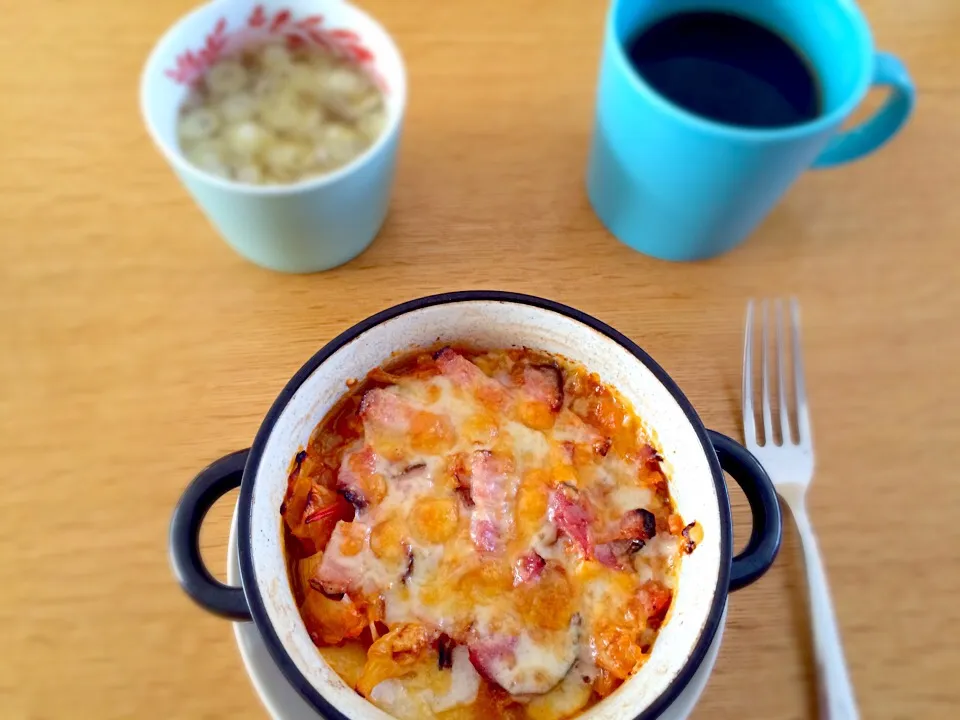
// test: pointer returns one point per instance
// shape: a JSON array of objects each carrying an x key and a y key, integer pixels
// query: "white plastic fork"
[{"x": 790, "y": 466}]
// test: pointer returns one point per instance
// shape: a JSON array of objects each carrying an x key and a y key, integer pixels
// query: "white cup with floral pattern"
[{"x": 305, "y": 226}]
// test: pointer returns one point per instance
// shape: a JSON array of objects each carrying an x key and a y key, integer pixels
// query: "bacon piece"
[
  {"x": 616, "y": 554},
  {"x": 336, "y": 573},
  {"x": 385, "y": 409},
  {"x": 487, "y": 653},
  {"x": 358, "y": 479},
  {"x": 639, "y": 524},
  {"x": 527, "y": 568},
  {"x": 606, "y": 555},
  {"x": 461, "y": 371},
  {"x": 630, "y": 535},
  {"x": 569, "y": 512},
  {"x": 466, "y": 375},
  {"x": 539, "y": 394},
  {"x": 527, "y": 665},
  {"x": 485, "y": 534},
  {"x": 492, "y": 489},
  {"x": 543, "y": 383},
  {"x": 389, "y": 418}
]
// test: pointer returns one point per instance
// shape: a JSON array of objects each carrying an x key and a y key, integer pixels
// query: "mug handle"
[
  {"x": 852, "y": 144},
  {"x": 210, "y": 485},
  {"x": 766, "y": 533}
]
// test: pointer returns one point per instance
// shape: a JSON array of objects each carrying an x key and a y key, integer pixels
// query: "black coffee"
[{"x": 726, "y": 68}]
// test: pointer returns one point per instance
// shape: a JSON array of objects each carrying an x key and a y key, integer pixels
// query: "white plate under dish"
[{"x": 284, "y": 703}]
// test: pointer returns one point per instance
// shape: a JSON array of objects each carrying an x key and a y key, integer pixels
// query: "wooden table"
[{"x": 137, "y": 346}]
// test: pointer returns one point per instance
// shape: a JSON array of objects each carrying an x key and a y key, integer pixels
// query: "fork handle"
[{"x": 837, "y": 701}]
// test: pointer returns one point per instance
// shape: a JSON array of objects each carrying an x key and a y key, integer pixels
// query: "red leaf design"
[
  {"x": 213, "y": 43},
  {"x": 257, "y": 17},
  {"x": 186, "y": 69},
  {"x": 319, "y": 38},
  {"x": 191, "y": 63},
  {"x": 279, "y": 20},
  {"x": 359, "y": 53},
  {"x": 345, "y": 35}
]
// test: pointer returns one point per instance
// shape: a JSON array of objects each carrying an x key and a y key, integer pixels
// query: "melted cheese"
[
  {"x": 464, "y": 683},
  {"x": 537, "y": 665},
  {"x": 469, "y": 540}
]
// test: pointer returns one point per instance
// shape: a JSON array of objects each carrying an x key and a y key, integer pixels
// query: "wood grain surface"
[{"x": 136, "y": 347}]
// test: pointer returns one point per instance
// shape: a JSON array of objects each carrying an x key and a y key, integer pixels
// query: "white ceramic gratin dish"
[{"x": 695, "y": 456}]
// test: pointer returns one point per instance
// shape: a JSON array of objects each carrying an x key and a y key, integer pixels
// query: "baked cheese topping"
[{"x": 492, "y": 530}]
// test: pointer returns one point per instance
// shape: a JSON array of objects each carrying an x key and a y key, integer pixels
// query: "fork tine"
[
  {"x": 765, "y": 377},
  {"x": 785, "y": 437},
  {"x": 803, "y": 415},
  {"x": 746, "y": 390}
]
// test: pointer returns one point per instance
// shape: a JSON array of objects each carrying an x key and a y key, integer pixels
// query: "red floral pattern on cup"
[{"x": 191, "y": 64}]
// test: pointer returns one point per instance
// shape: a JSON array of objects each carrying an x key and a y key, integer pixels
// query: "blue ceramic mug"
[{"x": 679, "y": 186}]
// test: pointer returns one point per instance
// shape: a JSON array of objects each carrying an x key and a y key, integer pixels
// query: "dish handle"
[
  {"x": 765, "y": 535},
  {"x": 212, "y": 483}
]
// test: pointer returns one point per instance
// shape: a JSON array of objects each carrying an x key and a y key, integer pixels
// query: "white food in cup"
[
  {"x": 267, "y": 114},
  {"x": 225, "y": 78}
]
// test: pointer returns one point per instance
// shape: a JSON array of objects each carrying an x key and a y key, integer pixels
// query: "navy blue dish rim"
[{"x": 245, "y": 603}]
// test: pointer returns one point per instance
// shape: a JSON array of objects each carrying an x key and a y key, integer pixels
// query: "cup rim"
[
  {"x": 251, "y": 583},
  {"x": 821, "y": 123},
  {"x": 176, "y": 158}
]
